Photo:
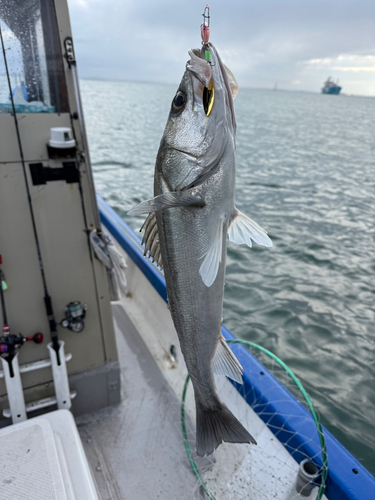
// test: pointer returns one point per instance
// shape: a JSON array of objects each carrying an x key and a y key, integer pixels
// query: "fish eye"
[
  {"x": 179, "y": 101},
  {"x": 208, "y": 98}
]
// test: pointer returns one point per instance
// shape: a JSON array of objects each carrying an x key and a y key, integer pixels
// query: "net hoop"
[{"x": 306, "y": 397}]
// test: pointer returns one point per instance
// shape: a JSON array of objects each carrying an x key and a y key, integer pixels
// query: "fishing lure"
[{"x": 205, "y": 32}]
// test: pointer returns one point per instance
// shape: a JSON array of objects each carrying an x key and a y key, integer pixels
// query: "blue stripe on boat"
[{"x": 276, "y": 406}]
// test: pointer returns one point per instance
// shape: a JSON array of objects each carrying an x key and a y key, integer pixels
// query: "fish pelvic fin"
[
  {"x": 242, "y": 230},
  {"x": 167, "y": 200},
  {"x": 210, "y": 265},
  {"x": 226, "y": 363},
  {"x": 218, "y": 425}
]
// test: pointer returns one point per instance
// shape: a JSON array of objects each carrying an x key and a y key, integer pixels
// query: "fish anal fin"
[
  {"x": 242, "y": 230},
  {"x": 210, "y": 265},
  {"x": 167, "y": 200},
  {"x": 226, "y": 363}
]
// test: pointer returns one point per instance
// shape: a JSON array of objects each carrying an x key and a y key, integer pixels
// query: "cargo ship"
[{"x": 330, "y": 87}]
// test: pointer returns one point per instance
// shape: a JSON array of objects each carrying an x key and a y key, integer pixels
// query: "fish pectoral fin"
[
  {"x": 167, "y": 200},
  {"x": 212, "y": 258},
  {"x": 226, "y": 363},
  {"x": 151, "y": 240},
  {"x": 242, "y": 230}
]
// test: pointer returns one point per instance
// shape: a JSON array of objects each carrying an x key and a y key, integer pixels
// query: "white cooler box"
[{"x": 43, "y": 459}]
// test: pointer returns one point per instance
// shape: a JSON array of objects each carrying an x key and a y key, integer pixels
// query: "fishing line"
[
  {"x": 2, "y": 279},
  {"x": 47, "y": 297},
  {"x": 324, "y": 468}
]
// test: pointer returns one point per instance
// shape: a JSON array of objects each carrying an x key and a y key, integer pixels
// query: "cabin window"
[{"x": 34, "y": 58}]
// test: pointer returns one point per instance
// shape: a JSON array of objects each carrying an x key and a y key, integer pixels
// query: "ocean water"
[{"x": 305, "y": 173}]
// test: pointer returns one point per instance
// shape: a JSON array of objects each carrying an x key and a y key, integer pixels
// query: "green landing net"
[{"x": 302, "y": 391}]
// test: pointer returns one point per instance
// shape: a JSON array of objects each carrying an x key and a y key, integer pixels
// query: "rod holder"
[
  {"x": 306, "y": 477},
  {"x": 14, "y": 389},
  {"x": 60, "y": 376}
]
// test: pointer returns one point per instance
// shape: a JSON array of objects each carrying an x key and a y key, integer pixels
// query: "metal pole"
[{"x": 70, "y": 56}]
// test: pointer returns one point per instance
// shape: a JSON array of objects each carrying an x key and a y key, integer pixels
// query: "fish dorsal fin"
[
  {"x": 232, "y": 81},
  {"x": 151, "y": 240},
  {"x": 212, "y": 257},
  {"x": 242, "y": 230},
  {"x": 171, "y": 199},
  {"x": 226, "y": 363}
]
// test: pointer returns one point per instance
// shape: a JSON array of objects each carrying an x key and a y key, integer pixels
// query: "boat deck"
[{"x": 136, "y": 449}]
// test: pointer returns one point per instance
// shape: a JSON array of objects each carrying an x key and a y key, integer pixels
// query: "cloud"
[
  {"x": 346, "y": 62},
  {"x": 354, "y": 69},
  {"x": 320, "y": 62},
  {"x": 262, "y": 42}
]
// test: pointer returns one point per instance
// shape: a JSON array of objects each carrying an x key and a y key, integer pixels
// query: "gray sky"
[{"x": 296, "y": 43}]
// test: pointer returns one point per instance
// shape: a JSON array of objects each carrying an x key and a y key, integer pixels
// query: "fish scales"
[
  {"x": 196, "y": 309},
  {"x": 194, "y": 208}
]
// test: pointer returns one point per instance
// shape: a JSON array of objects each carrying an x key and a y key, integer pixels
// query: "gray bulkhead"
[{"x": 63, "y": 217}]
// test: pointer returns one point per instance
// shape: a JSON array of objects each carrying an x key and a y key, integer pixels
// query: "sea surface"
[{"x": 305, "y": 173}]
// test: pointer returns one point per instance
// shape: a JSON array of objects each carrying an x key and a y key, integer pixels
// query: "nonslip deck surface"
[{"x": 136, "y": 449}]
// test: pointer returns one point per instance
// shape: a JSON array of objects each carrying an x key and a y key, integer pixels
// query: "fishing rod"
[
  {"x": 47, "y": 297},
  {"x": 10, "y": 343},
  {"x": 5, "y": 319}
]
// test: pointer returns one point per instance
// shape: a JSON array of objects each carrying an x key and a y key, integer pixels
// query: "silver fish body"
[
  {"x": 190, "y": 218},
  {"x": 195, "y": 308}
]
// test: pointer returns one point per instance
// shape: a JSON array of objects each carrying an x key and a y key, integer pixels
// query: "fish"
[{"x": 185, "y": 233}]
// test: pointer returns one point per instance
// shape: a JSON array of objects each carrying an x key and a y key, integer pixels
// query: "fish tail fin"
[{"x": 217, "y": 425}]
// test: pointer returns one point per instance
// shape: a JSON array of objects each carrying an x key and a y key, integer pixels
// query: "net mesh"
[{"x": 268, "y": 470}]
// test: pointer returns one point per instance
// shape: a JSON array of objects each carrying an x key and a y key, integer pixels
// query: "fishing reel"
[
  {"x": 75, "y": 313},
  {"x": 10, "y": 343}
]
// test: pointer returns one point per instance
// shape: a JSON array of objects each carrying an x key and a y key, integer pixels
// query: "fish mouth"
[
  {"x": 205, "y": 96},
  {"x": 210, "y": 74},
  {"x": 203, "y": 84},
  {"x": 197, "y": 52},
  {"x": 199, "y": 67}
]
